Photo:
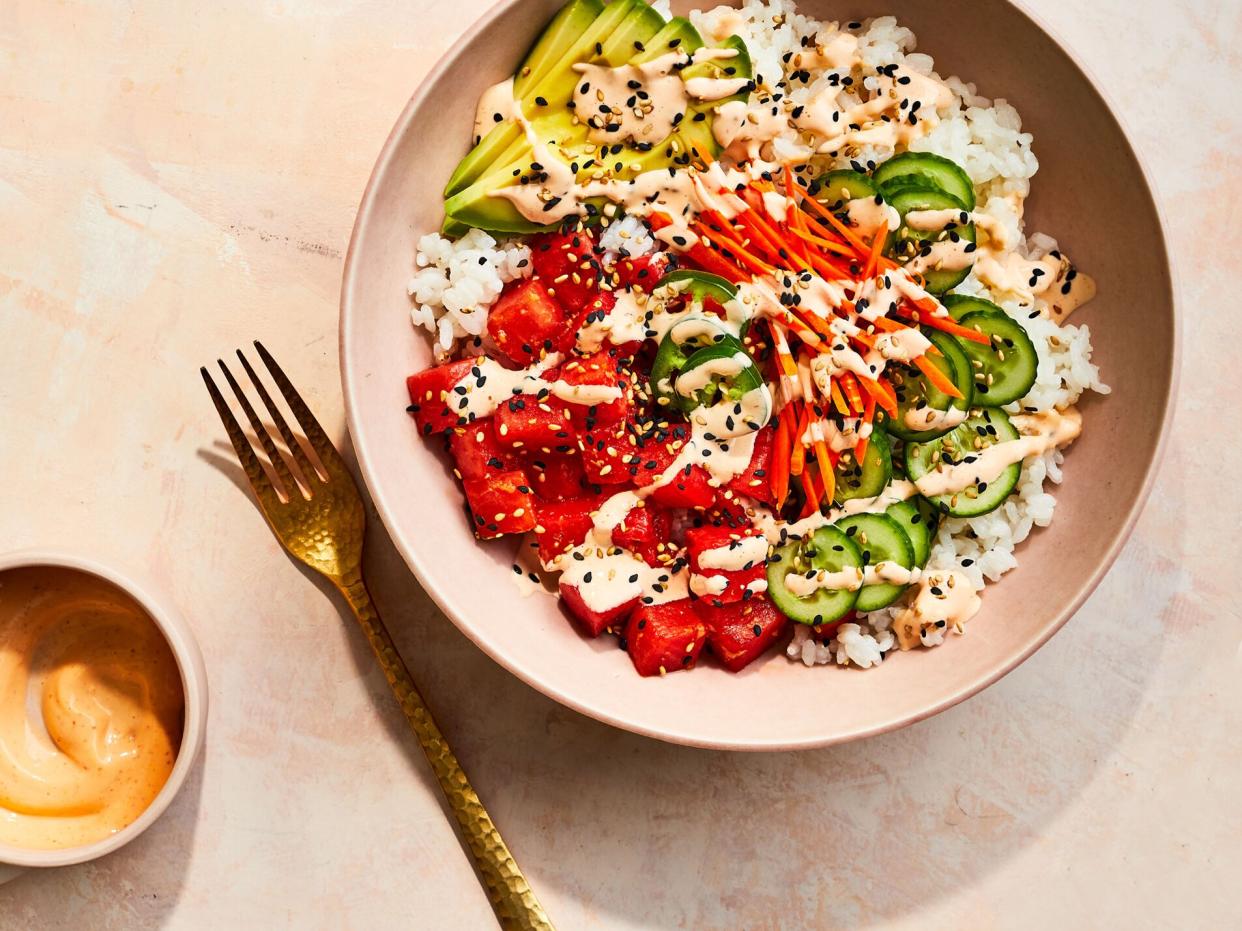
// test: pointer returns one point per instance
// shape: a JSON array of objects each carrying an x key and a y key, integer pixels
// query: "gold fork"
[{"x": 320, "y": 521}]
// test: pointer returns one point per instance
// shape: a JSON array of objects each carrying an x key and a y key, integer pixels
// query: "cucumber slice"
[
  {"x": 916, "y": 526},
  {"x": 931, "y": 514},
  {"x": 906, "y": 242},
  {"x": 558, "y": 37},
  {"x": 959, "y": 305},
  {"x": 990, "y": 426},
  {"x": 829, "y": 550},
  {"x": 917, "y": 396},
  {"x": 872, "y": 477},
  {"x": 1004, "y": 370},
  {"x": 880, "y": 539},
  {"x": 926, "y": 170},
  {"x": 836, "y": 188}
]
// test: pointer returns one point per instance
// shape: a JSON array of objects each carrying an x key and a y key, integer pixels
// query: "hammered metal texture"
[{"x": 325, "y": 531}]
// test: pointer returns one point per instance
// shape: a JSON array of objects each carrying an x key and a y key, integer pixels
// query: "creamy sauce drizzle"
[
  {"x": 850, "y": 579},
  {"x": 607, "y": 576},
  {"x": 496, "y": 105},
  {"x": 945, "y": 599},
  {"x": 929, "y": 418},
  {"x": 1042, "y": 432},
  {"x": 736, "y": 555},
  {"x": 903, "y": 107},
  {"x": 490, "y": 384}
]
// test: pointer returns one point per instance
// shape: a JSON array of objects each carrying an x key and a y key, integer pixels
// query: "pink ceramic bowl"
[{"x": 1091, "y": 193}]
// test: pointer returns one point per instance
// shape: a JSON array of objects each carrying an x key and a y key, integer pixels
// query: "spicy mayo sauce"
[{"x": 91, "y": 708}]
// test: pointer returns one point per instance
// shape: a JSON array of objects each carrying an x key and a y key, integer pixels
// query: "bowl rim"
[
  {"x": 442, "y": 598},
  {"x": 189, "y": 657}
]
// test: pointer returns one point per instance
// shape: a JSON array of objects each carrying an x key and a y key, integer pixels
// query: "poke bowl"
[{"x": 744, "y": 332}]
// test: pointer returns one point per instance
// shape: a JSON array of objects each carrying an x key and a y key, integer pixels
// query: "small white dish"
[{"x": 15, "y": 860}]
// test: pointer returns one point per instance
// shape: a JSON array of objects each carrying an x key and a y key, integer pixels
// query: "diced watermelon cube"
[
  {"x": 501, "y": 503},
  {"x": 756, "y": 481},
  {"x": 529, "y": 423},
  {"x": 477, "y": 452},
  {"x": 567, "y": 264},
  {"x": 593, "y": 622},
  {"x": 700, "y": 540},
  {"x": 645, "y": 532},
  {"x": 562, "y": 524},
  {"x": 644, "y": 271},
  {"x": 433, "y": 402},
  {"x": 689, "y": 488},
  {"x": 665, "y": 637},
  {"x": 556, "y": 477},
  {"x": 600, "y": 368},
  {"x": 589, "y": 333},
  {"x": 604, "y": 450},
  {"x": 739, "y": 632},
  {"x": 525, "y": 322}
]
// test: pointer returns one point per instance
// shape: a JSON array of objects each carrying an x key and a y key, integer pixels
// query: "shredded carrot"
[
  {"x": 849, "y": 384},
  {"x": 929, "y": 315},
  {"x": 702, "y": 257},
  {"x": 758, "y": 217},
  {"x": 734, "y": 249},
  {"x": 937, "y": 377},
  {"x": 860, "y": 449},
  {"x": 868, "y": 417},
  {"x": 811, "y": 504},
  {"x": 846, "y": 233},
  {"x": 883, "y": 393},
  {"x": 838, "y": 399},
  {"x": 824, "y": 459},
  {"x": 873, "y": 256},
  {"x": 831, "y": 246},
  {"x": 780, "y": 458},
  {"x": 797, "y": 460}
]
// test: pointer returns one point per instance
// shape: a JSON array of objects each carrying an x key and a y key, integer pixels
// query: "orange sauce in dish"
[{"x": 91, "y": 708}]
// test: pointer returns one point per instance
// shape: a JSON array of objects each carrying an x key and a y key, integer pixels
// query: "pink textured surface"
[{"x": 173, "y": 184}]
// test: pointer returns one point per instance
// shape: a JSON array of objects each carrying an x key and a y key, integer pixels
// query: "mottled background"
[{"x": 177, "y": 177}]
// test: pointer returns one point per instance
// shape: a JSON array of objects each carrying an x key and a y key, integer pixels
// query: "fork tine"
[
  {"x": 259, "y": 480},
  {"x": 295, "y": 448},
  {"x": 310, "y": 426},
  {"x": 265, "y": 438}
]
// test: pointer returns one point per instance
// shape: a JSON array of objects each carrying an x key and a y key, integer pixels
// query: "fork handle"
[{"x": 512, "y": 898}]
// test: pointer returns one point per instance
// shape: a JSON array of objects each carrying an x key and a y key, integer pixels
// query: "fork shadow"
[{"x": 224, "y": 461}]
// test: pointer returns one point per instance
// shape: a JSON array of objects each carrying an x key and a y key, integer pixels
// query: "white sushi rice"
[
  {"x": 457, "y": 281},
  {"x": 628, "y": 236}
]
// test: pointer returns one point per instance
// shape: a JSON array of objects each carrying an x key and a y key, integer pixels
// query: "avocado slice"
[
  {"x": 610, "y": 41},
  {"x": 643, "y": 27},
  {"x": 505, "y": 143},
  {"x": 638, "y": 25},
  {"x": 567, "y": 26},
  {"x": 641, "y": 37},
  {"x": 678, "y": 35},
  {"x": 696, "y": 132}
]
